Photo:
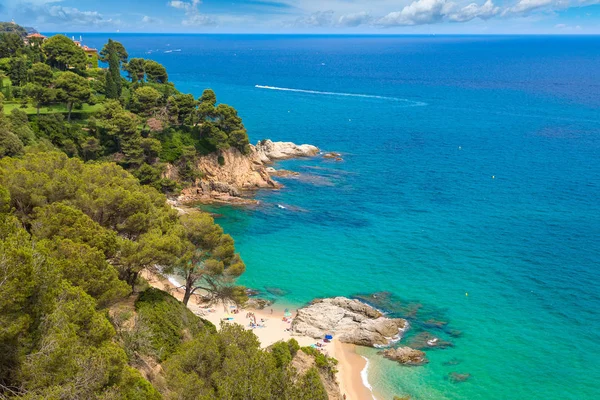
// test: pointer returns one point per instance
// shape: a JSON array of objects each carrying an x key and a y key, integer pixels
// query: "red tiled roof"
[{"x": 36, "y": 35}]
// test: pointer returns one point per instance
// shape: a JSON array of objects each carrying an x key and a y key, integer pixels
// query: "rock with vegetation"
[
  {"x": 350, "y": 321},
  {"x": 405, "y": 355}
]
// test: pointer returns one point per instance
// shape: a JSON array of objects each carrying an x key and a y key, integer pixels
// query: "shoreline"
[{"x": 350, "y": 365}]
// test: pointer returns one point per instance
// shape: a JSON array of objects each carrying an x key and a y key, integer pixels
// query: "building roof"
[
  {"x": 89, "y": 49},
  {"x": 36, "y": 35}
]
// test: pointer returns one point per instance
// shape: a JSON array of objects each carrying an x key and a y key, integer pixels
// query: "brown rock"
[{"x": 406, "y": 356}]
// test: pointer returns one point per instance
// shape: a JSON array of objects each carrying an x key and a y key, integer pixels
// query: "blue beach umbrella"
[{"x": 328, "y": 337}]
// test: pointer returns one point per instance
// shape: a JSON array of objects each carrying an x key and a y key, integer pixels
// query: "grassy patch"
[{"x": 52, "y": 109}]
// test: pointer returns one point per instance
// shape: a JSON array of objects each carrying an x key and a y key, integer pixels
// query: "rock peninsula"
[{"x": 350, "y": 321}]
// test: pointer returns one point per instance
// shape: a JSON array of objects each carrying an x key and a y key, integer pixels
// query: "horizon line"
[{"x": 329, "y": 34}]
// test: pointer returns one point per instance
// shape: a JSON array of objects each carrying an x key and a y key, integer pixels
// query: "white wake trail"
[{"x": 364, "y": 96}]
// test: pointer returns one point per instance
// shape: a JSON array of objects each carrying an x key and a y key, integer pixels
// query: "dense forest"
[{"x": 83, "y": 211}]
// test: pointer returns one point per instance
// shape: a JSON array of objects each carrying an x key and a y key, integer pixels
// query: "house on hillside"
[
  {"x": 34, "y": 37},
  {"x": 91, "y": 53}
]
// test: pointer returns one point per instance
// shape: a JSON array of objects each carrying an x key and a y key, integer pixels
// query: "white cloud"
[
  {"x": 485, "y": 11},
  {"x": 199, "y": 20},
  {"x": 565, "y": 27},
  {"x": 418, "y": 12},
  {"x": 356, "y": 19},
  {"x": 525, "y": 6},
  {"x": 193, "y": 17},
  {"x": 150, "y": 20},
  {"x": 316, "y": 19},
  {"x": 72, "y": 16}
]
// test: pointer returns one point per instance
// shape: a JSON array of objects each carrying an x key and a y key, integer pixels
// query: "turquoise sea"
[{"x": 471, "y": 166}]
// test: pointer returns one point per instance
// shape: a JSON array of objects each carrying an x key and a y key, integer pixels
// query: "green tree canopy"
[
  {"x": 155, "y": 72},
  {"x": 211, "y": 263},
  {"x": 135, "y": 69},
  {"x": 11, "y": 44},
  {"x": 72, "y": 88},
  {"x": 62, "y": 53}
]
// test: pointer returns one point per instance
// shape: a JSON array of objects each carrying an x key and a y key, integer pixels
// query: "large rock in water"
[
  {"x": 406, "y": 356},
  {"x": 268, "y": 150},
  {"x": 350, "y": 321}
]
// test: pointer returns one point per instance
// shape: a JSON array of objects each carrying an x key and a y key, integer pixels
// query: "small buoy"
[
  {"x": 460, "y": 147},
  {"x": 467, "y": 294},
  {"x": 493, "y": 176}
]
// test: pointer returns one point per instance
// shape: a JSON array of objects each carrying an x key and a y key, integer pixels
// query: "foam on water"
[{"x": 364, "y": 375}]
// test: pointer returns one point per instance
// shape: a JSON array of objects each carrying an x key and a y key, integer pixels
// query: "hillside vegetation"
[{"x": 82, "y": 152}]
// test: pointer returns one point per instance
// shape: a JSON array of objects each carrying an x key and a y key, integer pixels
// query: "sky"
[{"x": 308, "y": 16}]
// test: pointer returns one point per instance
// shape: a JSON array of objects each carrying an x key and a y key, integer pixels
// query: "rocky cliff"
[{"x": 226, "y": 176}]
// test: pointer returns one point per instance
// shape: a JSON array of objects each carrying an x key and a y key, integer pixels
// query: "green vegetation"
[
  {"x": 74, "y": 237},
  {"x": 82, "y": 215},
  {"x": 141, "y": 123}
]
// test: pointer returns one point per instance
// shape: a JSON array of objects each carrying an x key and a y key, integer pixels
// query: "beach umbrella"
[
  {"x": 287, "y": 313},
  {"x": 328, "y": 337}
]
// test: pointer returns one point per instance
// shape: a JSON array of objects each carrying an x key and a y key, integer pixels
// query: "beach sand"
[{"x": 350, "y": 364}]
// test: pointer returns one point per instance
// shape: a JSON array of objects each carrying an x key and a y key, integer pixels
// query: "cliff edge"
[{"x": 225, "y": 175}]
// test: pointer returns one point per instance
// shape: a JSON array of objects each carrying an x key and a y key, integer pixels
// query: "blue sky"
[{"x": 308, "y": 16}]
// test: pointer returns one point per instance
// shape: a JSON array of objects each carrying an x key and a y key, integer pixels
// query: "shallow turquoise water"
[{"x": 478, "y": 172}]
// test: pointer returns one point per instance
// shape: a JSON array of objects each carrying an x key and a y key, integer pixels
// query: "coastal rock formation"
[
  {"x": 426, "y": 340},
  {"x": 351, "y": 321},
  {"x": 333, "y": 156},
  {"x": 235, "y": 169},
  {"x": 281, "y": 172},
  {"x": 226, "y": 175},
  {"x": 269, "y": 151},
  {"x": 406, "y": 356},
  {"x": 255, "y": 303}
]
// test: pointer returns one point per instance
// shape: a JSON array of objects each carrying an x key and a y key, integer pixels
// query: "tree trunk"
[
  {"x": 132, "y": 279},
  {"x": 189, "y": 288},
  {"x": 187, "y": 295},
  {"x": 69, "y": 108}
]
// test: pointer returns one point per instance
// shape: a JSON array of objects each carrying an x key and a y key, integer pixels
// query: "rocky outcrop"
[
  {"x": 269, "y": 151},
  {"x": 350, "y": 321},
  {"x": 235, "y": 169},
  {"x": 226, "y": 175},
  {"x": 283, "y": 173},
  {"x": 406, "y": 356},
  {"x": 256, "y": 303}
]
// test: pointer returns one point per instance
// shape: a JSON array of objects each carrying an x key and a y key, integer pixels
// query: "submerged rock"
[
  {"x": 456, "y": 377},
  {"x": 282, "y": 173},
  {"x": 453, "y": 361},
  {"x": 406, "y": 356},
  {"x": 333, "y": 156},
  {"x": 351, "y": 321},
  {"x": 426, "y": 340}
]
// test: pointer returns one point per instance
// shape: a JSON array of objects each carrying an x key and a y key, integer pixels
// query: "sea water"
[{"x": 469, "y": 190}]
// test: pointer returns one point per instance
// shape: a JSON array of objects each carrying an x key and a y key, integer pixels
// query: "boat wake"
[{"x": 412, "y": 103}]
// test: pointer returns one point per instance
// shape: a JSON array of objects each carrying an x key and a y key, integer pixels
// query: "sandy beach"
[{"x": 274, "y": 330}]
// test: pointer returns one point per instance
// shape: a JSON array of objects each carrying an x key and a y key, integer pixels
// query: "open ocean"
[{"x": 471, "y": 166}]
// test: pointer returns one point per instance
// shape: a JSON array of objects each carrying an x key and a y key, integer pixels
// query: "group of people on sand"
[{"x": 253, "y": 323}]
